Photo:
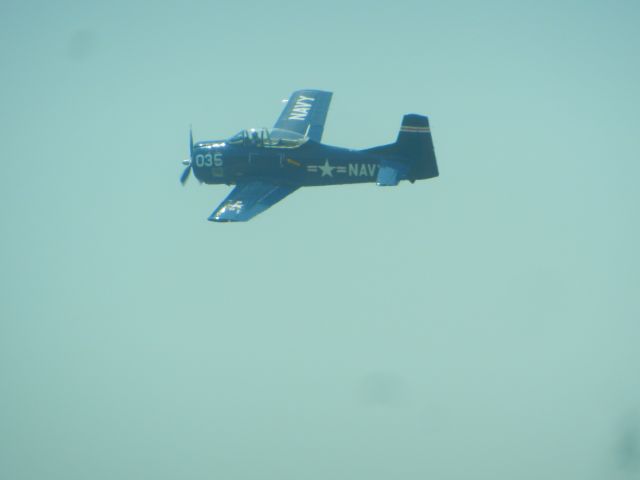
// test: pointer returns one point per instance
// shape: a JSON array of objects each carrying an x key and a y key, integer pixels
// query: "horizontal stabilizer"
[{"x": 391, "y": 173}]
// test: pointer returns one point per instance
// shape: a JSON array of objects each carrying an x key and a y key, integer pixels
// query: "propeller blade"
[
  {"x": 187, "y": 171},
  {"x": 185, "y": 175}
]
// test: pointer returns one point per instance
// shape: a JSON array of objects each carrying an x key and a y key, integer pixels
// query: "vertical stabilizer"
[{"x": 416, "y": 145}]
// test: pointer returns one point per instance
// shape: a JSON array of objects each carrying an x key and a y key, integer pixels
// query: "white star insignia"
[{"x": 326, "y": 169}]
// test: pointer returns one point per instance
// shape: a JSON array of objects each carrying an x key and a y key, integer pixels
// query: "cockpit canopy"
[{"x": 268, "y": 137}]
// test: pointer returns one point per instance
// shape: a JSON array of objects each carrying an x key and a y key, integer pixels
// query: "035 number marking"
[{"x": 209, "y": 160}]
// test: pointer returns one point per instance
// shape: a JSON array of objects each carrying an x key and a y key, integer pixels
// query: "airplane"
[{"x": 266, "y": 165}]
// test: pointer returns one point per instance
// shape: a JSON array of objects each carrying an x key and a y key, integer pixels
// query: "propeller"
[{"x": 187, "y": 162}]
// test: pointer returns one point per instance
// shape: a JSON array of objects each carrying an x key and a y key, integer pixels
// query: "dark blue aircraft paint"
[{"x": 267, "y": 165}]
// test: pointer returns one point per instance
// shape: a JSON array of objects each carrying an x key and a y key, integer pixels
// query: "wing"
[
  {"x": 249, "y": 199},
  {"x": 305, "y": 113}
]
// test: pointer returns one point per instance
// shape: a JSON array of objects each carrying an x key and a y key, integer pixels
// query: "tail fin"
[
  {"x": 415, "y": 144},
  {"x": 412, "y": 156}
]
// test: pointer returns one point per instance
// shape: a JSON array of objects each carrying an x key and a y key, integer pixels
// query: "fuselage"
[
  {"x": 309, "y": 164},
  {"x": 267, "y": 165}
]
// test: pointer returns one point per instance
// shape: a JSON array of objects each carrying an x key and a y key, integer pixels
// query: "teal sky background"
[{"x": 481, "y": 325}]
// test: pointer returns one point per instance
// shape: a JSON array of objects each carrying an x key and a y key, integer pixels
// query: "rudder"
[{"x": 416, "y": 145}]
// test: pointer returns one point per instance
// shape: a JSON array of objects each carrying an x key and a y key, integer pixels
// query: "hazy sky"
[{"x": 481, "y": 325}]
